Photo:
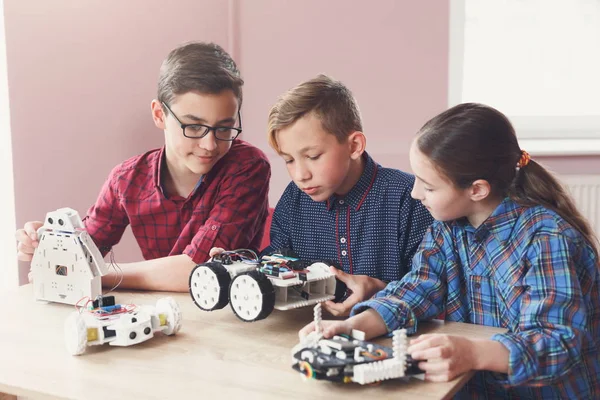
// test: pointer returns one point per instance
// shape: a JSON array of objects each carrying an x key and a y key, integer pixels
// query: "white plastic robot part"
[
  {"x": 378, "y": 371},
  {"x": 399, "y": 345},
  {"x": 318, "y": 318},
  {"x": 170, "y": 308},
  {"x": 386, "y": 369},
  {"x": 75, "y": 334},
  {"x": 128, "y": 328}
]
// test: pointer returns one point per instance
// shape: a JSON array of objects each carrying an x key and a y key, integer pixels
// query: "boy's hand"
[
  {"x": 362, "y": 287},
  {"x": 28, "y": 240},
  {"x": 446, "y": 356},
  {"x": 330, "y": 328},
  {"x": 215, "y": 251}
]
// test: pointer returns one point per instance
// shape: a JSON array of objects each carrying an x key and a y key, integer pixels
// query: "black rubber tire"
[
  {"x": 267, "y": 291},
  {"x": 223, "y": 279}
]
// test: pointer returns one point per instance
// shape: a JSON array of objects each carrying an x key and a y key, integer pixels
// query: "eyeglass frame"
[{"x": 207, "y": 127}]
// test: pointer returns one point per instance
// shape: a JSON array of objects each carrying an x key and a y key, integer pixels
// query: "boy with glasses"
[{"x": 204, "y": 188}]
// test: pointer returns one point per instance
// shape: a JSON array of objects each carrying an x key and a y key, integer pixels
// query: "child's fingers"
[
  {"x": 334, "y": 309},
  {"x": 25, "y": 249},
  {"x": 31, "y": 228},
  {"x": 335, "y": 328},
  {"x": 306, "y": 330},
  {"x": 341, "y": 309},
  {"x": 444, "y": 377},
  {"x": 435, "y": 366},
  {"x": 341, "y": 275},
  {"x": 430, "y": 353},
  {"x": 215, "y": 251},
  {"x": 419, "y": 339},
  {"x": 22, "y": 237},
  {"x": 424, "y": 342}
]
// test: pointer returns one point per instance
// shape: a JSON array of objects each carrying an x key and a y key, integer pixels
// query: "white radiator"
[{"x": 585, "y": 189}]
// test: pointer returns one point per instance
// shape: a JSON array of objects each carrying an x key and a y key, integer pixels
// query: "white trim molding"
[{"x": 9, "y": 271}]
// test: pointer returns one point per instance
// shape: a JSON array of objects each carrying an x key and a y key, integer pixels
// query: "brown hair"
[
  {"x": 330, "y": 101},
  {"x": 473, "y": 141},
  {"x": 200, "y": 67}
]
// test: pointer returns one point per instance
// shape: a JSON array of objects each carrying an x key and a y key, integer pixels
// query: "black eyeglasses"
[{"x": 197, "y": 131}]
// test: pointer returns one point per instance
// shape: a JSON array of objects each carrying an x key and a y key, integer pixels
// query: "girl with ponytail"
[{"x": 508, "y": 249}]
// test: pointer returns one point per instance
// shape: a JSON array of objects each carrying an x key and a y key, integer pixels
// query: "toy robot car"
[
  {"x": 348, "y": 359},
  {"x": 120, "y": 325},
  {"x": 254, "y": 287}
]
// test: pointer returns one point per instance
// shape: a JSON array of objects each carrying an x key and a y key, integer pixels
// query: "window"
[{"x": 535, "y": 60}]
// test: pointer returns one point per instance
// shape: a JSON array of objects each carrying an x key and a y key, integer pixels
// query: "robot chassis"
[
  {"x": 254, "y": 287},
  {"x": 348, "y": 358},
  {"x": 120, "y": 325}
]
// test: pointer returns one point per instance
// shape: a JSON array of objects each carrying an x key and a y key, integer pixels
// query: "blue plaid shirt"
[
  {"x": 374, "y": 230},
  {"x": 523, "y": 269}
]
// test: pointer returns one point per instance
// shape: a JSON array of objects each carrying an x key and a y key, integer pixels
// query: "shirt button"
[
  {"x": 343, "y": 240},
  {"x": 477, "y": 285},
  {"x": 341, "y": 201},
  {"x": 344, "y": 252},
  {"x": 214, "y": 227}
]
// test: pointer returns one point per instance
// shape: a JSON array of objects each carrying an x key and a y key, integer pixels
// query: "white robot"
[
  {"x": 121, "y": 326},
  {"x": 67, "y": 265},
  {"x": 254, "y": 287},
  {"x": 348, "y": 358}
]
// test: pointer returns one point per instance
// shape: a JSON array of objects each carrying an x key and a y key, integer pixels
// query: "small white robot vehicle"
[
  {"x": 120, "y": 325},
  {"x": 254, "y": 287},
  {"x": 66, "y": 266},
  {"x": 348, "y": 358}
]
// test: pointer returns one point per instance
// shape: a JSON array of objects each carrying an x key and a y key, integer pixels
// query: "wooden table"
[{"x": 215, "y": 355}]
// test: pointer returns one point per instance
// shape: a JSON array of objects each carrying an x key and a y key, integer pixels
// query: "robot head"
[{"x": 63, "y": 219}]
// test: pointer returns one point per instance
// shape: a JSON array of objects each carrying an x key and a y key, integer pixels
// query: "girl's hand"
[
  {"x": 330, "y": 328},
  {"x": 446, "y": 356}
]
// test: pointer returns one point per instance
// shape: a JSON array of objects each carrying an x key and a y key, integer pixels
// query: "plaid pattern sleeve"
[
  {"x": 420, "y": 294},
  {"x": 238, "y": 212},
  {"x": 552, "y": 321},
  {"x": 524, "y": 269},
  {"x": 228, "y": 208},
  {"x": 106, "y": 220}
]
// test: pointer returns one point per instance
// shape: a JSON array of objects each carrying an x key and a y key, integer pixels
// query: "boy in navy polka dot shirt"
[{"x": 341, "y": 205}]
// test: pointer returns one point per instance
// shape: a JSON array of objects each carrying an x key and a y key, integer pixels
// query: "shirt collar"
[
  {"x": 356, "y": 196},
  {"x": 500, "y": 223},
  {"x": 159, "y": 163},
  {"x": 157, "y": 167}
]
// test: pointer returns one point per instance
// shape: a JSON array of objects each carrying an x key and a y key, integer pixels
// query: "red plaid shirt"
[{"x": 228, "y": 209}]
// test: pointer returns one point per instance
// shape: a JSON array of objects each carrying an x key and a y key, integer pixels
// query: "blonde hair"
[{"x": 329, "y": 100}]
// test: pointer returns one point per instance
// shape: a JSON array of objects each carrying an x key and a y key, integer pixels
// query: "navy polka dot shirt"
[{"x": 374, "y": 230}]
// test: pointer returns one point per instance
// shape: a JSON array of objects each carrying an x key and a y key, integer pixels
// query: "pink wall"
[
  {"x": 81, "y": 79},
  {"x": 392, "y": 54},
  {"x": 82, "y": 75}
]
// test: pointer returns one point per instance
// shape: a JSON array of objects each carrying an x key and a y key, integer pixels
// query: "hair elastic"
[{"x": 524, "y": 160}]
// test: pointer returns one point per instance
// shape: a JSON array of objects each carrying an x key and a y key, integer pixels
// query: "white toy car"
[
  {"x": 254, "y": 287},
  {"x": 120, "y": 325}
]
